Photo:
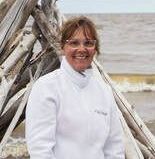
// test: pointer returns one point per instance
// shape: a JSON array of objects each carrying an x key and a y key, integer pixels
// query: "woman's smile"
[{"x": 80, "y": 56}]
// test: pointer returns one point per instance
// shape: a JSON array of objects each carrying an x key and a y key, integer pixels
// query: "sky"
[{"x": 106, "y": 6}]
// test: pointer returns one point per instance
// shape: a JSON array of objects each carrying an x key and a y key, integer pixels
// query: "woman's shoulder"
[
  {"x": 48, "y": 80},
  {"x": 49, "y": 77}
]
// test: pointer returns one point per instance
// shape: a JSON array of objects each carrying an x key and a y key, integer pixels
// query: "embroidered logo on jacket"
[{"x": 101, "y": 112}]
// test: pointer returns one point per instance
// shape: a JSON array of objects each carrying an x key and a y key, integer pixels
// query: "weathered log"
[
  {"x": 15, "y": 20},
  {"x": 50, "y": 63},
  {"x": 135, "y": 123},
  {"x": 11, "y": 45},
  {"x": 16, "y": 117},
  {"x": 37, "y": 32},
  {"x": 46, "y": 29},
  {"x": 59, "y": 17},
  {"x": 8, "y": 115},
  {"x": 48, "y": 9},
  {"x": 131, "y": 149},
  {"x": 5, "y": 86},
  {"x": 46, "y": 62},
  {"x": 19, "y": 52},
  {"x": 4, "y": 7},
  {"x": 146, "y": 153},
  {"x": 10, "y": 94},
  {"x": 53, "y": 14},
  {"x": 22, "y": 49}
]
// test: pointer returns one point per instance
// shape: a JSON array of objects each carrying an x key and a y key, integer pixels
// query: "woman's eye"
[
  {"x": 88, "y": 43},
  {"x": 74, "y": 43}
]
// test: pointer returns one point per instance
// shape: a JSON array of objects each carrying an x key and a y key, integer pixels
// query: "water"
[
  {"x": 128, "y": 49},
  {"x": 127, "y": 41}
]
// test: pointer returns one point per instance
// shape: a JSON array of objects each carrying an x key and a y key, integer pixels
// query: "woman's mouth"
[{"x": 80, "y": 56}]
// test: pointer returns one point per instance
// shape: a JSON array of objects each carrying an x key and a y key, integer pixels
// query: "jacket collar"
[{"x": 79, "y": 78}]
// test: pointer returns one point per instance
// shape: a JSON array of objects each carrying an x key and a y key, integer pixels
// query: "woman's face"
[{"x": 80, "y": 50}]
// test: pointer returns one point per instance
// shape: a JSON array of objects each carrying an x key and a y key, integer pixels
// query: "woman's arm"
[
  {"x": 114, "y": 146},
  {"x": 41, "y": 122}
]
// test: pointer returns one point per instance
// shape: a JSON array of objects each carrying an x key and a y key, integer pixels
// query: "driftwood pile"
[{"x": 21, "y": 65}]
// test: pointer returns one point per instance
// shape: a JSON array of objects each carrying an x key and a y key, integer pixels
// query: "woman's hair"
[{"x": 71, "y": 25}]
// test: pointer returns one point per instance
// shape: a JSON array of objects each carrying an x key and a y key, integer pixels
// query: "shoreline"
[{"x": 133, "y": 77}]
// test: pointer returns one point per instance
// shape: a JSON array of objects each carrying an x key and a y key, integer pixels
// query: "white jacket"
[{"x": 70, "y": 115}]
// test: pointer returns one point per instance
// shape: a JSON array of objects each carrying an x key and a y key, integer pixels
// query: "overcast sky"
[{"x": 106, "y": 6}]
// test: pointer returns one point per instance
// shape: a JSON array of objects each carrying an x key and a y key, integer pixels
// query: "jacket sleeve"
[
  {"x": 114, "y": 145},
  {"x": 41, "y": 122}
]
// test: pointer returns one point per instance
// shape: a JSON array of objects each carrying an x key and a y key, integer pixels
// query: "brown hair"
[{"x": 73, "y": 24}]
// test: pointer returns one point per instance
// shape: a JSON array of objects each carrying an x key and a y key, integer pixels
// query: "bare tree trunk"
[
  {"x": 16, "y": 117},
  {"x": 19, "y": 52},
  {"x": 23, "y": 48},
  {"x": 15, "y": 20},
  {"x": 131, "y": 148},
  {"x": 11, "y": 45},
  {"x": 145, "y": 151},
  {"x": 7, "y": 117},
  {"x": 46, "y": 29},
  {"x": 5, "y": 5}
]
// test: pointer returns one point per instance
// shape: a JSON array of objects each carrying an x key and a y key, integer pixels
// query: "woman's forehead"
[{"x": 81, "y": 30}]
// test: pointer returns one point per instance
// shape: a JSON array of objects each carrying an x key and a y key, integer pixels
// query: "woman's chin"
[{"x": 81, "y": 68}]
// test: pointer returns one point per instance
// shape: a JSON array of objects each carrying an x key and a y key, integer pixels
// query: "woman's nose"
[{"x": 81, "y": 47}]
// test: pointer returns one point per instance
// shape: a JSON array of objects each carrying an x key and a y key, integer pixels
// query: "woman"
[{"x": 70, "y": 115}]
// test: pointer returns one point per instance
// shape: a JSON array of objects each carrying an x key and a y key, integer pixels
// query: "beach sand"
[{"x": 144, "y": 104}]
